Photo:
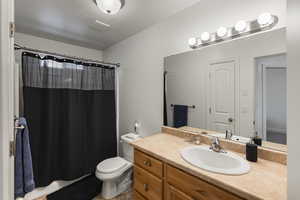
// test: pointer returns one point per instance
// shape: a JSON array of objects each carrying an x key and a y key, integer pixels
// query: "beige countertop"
[
  {"x": 265, "y": 144},
  {"x": 266, "y": 179}
]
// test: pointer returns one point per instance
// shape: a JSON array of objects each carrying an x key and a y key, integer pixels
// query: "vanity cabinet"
[
  {"x": 176, "y": 194},
  {"x": 156, "y": 180}
]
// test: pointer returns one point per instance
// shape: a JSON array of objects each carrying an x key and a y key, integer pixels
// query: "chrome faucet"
[
  {"x": 228, "y": 134},
  {"x": 216, "y": 146}
]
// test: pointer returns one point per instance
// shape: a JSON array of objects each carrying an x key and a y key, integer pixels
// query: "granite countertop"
[{"x": 266, "y": 179}]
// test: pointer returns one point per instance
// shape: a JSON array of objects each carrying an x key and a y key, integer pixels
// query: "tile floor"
[{"x": 125, "y": 196}]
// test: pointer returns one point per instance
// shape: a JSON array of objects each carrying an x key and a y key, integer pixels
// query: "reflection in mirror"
[
  {"x": 236, "y": 87},
  {"x": 271, "y": 73}
]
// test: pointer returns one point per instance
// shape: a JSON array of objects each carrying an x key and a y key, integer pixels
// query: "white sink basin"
[{"x": 223, "y": 163}]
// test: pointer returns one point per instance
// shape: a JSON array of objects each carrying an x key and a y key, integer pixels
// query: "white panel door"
[{"x": 222, "y": 96}]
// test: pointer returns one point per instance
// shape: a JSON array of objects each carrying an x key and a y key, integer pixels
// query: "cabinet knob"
[
  {"x": 147, "y": 163},
  {"x": 146, "y": 187}
]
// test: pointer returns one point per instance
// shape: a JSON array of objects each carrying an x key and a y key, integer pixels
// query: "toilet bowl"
[{"x": 116, "y": 173}]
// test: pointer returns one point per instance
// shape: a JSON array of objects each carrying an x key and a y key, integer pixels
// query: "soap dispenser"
[
  {"x": 257, "y": 140},
  {"x": 251, "y": 151}
]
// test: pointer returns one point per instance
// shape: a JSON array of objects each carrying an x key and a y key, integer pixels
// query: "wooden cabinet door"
[
  {"x": 175, "y": 194},
  {"x": 137, "y": 196},
  {"x": 196, "y": 188},
  {"x": 147, "y": 184}
]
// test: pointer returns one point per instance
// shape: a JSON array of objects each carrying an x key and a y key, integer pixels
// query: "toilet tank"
[{"x": 126, "y": 148}]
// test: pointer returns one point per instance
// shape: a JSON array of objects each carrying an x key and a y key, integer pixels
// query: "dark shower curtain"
[{"x": 70, "y": 109}]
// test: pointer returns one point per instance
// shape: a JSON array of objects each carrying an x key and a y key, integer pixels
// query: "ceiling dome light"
[
  {"x": 222, "y": 31},
  {"x": 110, "y": 7},
  {"x": 240, "y": 26},
  {"x": 205, "y": 36},
  {"x": 265, "y": 19}
]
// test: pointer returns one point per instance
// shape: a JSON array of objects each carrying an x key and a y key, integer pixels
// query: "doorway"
[{"x": 271, "y": 102}]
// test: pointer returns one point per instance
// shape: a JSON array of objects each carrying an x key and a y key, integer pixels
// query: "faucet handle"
[
  {"x": 215, "y": 140},
  {"x": 228, "y": 134}
]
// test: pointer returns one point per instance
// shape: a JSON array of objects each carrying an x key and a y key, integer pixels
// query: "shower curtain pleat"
[{"x": 71, "y": 117}]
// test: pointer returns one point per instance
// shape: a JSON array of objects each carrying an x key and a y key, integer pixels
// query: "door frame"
[
  {"x": 258, "y": 122},
  {"x": 6, "y": 100},
  {"x": 236, "y": 92},
  {"x": 260, "y": 98}
]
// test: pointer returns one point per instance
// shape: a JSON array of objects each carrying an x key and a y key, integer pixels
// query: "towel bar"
[{"x": 193, "y": 106}]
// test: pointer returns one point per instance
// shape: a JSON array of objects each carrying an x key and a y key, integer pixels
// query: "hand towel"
[
  {"x": 180, "y": 115},
  {"x": 24, "y": 179}
]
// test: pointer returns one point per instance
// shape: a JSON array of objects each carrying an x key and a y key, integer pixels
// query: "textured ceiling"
[{"x": 73, "y": 21}]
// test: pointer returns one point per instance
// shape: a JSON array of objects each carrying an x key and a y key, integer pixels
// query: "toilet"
[{"x": 116, "y": 173}]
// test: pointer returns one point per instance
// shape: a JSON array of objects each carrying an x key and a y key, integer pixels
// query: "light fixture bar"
[{"x": 264, "y": 22}]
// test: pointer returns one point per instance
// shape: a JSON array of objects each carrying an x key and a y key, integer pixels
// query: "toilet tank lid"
[
  {"x": 111, "y": 165},
  {"x": 130, "y": 137}
]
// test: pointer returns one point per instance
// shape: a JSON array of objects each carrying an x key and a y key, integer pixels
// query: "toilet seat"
[
  {"x": 111, "y": 165},
  {"x": 112, "y": 168}
]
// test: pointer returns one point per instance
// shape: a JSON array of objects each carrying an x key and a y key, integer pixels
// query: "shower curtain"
[{"x": 70, "y": 109}]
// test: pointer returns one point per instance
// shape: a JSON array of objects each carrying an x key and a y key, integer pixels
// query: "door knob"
[{"x": 230, "y": 119}]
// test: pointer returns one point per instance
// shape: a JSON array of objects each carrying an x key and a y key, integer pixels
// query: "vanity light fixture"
[
  {"x": 265, "y": 21},
  {"x": 240, "y": 26},
  {"x": 192, "y": 42},
  {"x": 102, "y": 23},
  {"x": 222, "y": 32},
  {"x": 110, "y": 7},
  {"x": 205, "y": 36}
]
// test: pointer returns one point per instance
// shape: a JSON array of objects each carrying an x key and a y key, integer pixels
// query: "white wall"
[
  {"x": 188, "y": 77},
  {"x": 141, "y": 56},
  {"x": 293, "y": 38},
  {"x": 55, "y": 46}
]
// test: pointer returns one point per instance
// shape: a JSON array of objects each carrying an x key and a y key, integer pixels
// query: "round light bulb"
[
  {"x": 240, "y": 26},
  {"x": 110, "y": 7},
  {"x": 222, "y": 31},
  {"x": 205, "y": 36},
  {"x": 193, "y": 41},
  {"x": 265, "y": 19}
]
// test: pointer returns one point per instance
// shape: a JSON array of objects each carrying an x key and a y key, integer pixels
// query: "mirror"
[{"x": 236, "y": 87}]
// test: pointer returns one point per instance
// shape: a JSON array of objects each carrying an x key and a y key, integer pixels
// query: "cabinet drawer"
[
  {"x": 137, "y": 196},
  {"x": 148, "y": 163},
  {"x": 148, "y": 185},
  {"x": 195, "y": 187},
  {"x": 175, "y": 194}
]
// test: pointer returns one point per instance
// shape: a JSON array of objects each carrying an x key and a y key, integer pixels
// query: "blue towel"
[
  {"x": 180, "y": 116},
  {"x": 24, "y": 180}
]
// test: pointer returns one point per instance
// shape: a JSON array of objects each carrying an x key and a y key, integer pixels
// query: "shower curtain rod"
[{"x": 20, "y": 47}]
